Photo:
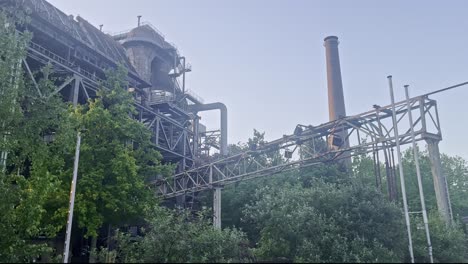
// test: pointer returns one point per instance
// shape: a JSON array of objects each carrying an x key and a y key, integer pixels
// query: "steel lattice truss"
[
  {"x": 366, "y": 132},
  {"x": 171, "y": 137}
]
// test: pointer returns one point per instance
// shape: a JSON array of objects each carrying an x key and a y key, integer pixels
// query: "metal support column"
[
  {"x": 440, "y": 181},
  {"x": 400, "y": 166},
  {"x": 156, "y": 133},
  {"x": 76, "y": 90},
  {"x": 217, "y": 207},
  {"x": 72, "y": 199},
  {"x": 418, "y": 174}
]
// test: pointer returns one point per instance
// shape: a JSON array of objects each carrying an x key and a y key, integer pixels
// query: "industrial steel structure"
[
  {"x": 80, "y": 55},
  {"x": 370, "y": 132}
]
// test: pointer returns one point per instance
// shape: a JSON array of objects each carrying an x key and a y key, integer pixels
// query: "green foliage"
[
  {"x": 240, "y": 194},
  {"x": 449, "y": 244},
  {"x": 34, "y": 166},
  {"x": 116, "y": 157},
  {"x": 17, "y": 225},
  {"x": 325, "y": 223},
  {"x": 179, "y": 237},
  {"x": 39, "y": 136},
  {"x": 456, "y": 171}
]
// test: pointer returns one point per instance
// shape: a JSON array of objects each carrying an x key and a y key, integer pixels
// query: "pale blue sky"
[{"x": 266, "y": 61}]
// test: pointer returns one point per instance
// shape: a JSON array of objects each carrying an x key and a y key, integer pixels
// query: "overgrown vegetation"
[{"x": 318, "y": 214}]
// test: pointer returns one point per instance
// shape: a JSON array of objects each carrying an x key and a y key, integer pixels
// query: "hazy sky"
[{"x": 266, "y": 61}]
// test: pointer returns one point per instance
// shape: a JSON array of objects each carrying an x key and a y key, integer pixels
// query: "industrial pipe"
[{"x": 223, "y": 109}]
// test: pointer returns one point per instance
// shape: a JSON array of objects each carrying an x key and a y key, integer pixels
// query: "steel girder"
[{"x": 367, "y": 132}]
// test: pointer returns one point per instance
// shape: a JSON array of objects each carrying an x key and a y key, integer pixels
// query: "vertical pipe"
[
  {"x": 394, "y": 179},
  {"x": 418, "y": 174},
  {"x": 175, "y": 74},
  {"x": 183, "y": 77},
  {"x": 388, "y": 172},
  {"x": 184, "y": 150},
  {"x": 400, "y": 166},
  {"x": 379, "y": 176},
  {"x": 196, "y": 135},
  {"x": 375, "y": 167},
  {"x": 224, "y": 142},
  {"x": 72, "y": 199}
]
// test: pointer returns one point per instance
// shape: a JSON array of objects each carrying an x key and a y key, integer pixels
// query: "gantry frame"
[{"x": 372, "y": 131}]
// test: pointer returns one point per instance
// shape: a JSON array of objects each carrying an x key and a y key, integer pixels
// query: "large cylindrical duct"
[
  {"x": 336, "y": 104},
  {"x": 223, "y": 109}
]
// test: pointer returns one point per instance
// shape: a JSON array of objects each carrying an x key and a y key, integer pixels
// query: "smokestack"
[
  {"x": 139, "y": 21},
  {"x": 336, "y": 105}
]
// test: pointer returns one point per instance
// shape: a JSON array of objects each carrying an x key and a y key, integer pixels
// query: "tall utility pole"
[
  {"x": 71, "y": 207},
  {"x": 72, "y": 199},
  {"x": 400, "y": 166},
  {"x": 418, "y": 174}
]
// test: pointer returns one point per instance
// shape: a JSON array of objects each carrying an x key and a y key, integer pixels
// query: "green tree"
[
  {"x": 456, "y": 171},
  {"x": 449, "y": 243},
  {"x": 116, "y": 159},
  {"x": 326, "y": 223},
  {"x": 33, "y": 165},
  {"x": 180, "y": 237},
  {"x": 238, "y": 195}
]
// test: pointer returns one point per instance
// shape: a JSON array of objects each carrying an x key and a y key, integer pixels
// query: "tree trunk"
[
  {"x": 108, "y": 258},
  {"x": 92, "y": 252}
]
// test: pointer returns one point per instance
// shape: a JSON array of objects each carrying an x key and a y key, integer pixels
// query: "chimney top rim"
[{"x": 331, "y": 38}]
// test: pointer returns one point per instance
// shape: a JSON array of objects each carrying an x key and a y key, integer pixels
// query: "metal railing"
[
  {"x": 159, "y": 97},
  {"x": 52, "y": 56}
]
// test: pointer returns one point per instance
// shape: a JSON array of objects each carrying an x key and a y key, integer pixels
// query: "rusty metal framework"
[
  {"x": 209, "y": 140},
  {"x": 368, "y": 132},
  {"x": 79, "y": 55},
  {"x": 172, "y": 137}
]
